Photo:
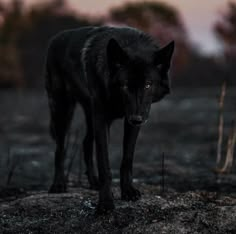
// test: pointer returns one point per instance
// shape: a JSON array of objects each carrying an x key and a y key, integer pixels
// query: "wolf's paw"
[
  {"x": 130, "y": 194},
  {"x": 58, "y": 188},
  {"x": 105, "y": 207}
]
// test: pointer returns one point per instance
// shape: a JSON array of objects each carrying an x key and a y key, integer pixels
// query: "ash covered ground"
[{"x": 183, "y": 126}]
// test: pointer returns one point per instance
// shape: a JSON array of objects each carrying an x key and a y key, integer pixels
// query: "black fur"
[{"x": 113, "y": 73}]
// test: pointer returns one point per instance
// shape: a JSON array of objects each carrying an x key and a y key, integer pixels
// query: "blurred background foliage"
[{"x": 24, "y": 36}]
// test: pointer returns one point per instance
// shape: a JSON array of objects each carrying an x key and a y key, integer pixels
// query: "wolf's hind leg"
[
  {"x": 88, "y": 146},
  {"x": 61, "y": 113}
]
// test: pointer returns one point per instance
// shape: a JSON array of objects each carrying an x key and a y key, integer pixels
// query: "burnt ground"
[
  {"x": 74, "y": 212},
  {"x": 183, "y": 126}
]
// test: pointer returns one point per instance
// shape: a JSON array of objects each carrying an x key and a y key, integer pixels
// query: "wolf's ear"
[
  {"x": 163, "y": 56},
  {"x": 116, "y": 56}
]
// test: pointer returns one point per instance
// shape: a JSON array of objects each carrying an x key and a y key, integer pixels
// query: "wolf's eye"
[{"x": 147, "y": 86}]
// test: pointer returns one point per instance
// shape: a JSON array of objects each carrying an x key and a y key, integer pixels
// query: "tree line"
[{"x": 24, "y": 36}]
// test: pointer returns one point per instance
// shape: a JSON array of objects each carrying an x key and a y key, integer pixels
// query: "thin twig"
[
  {"x": 221, "y": 123},
  {"x": 230, "y": 150},
  {"x": 163, "y": 173},
  {"x": 233, "y": 141},
  {"x": 12, "y": 167}
]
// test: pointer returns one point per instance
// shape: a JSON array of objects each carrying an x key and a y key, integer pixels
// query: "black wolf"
[{"x": 113, "y": 73}]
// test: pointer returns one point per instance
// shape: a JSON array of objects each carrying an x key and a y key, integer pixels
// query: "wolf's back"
[{"x": 86, "y": 48}]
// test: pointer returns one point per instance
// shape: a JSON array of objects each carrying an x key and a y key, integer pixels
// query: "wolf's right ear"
[
  {"x": 116, "y": 56},
  {"x": 163, "y": 56}
]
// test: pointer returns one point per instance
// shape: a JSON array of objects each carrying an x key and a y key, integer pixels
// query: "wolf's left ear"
[
  {"x": 164, "y": 55},
  {"x": 116, "y": 56}
]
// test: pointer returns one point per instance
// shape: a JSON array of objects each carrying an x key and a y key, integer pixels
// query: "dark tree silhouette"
[
  {"x": 160, "y": 20},
  {"x": 44, "y": 21},
  {"x": 225, "y": 29},
  {"x": 10, "y": 69},
  {"x": 24, "y": 37}
]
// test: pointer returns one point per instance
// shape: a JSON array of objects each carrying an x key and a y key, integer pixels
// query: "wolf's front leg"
[
  {"x": 128, "y": 192},
  {"x": 105, "y": 194}
]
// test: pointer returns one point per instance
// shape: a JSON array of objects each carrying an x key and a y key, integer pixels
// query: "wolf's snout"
[{"x": 136, "y": 119}]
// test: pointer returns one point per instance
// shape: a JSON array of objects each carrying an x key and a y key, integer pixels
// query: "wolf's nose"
[{"x": 136, "y": 119}]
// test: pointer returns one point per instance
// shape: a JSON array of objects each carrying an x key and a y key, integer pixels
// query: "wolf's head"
[{"x": 141, "y": 80}]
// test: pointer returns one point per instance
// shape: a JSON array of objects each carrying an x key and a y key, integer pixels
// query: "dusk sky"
[{"x": 198, "y": 16}]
